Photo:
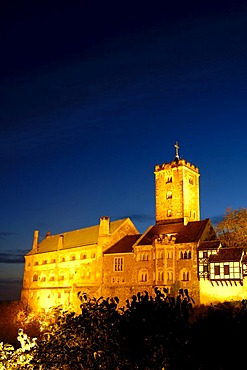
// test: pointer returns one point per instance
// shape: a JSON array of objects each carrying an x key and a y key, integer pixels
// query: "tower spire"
[{"x": 176, "y": 147}]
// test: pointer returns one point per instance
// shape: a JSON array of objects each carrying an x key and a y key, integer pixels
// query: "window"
[
  {"x": 169, "y": 195},
  {"x": 43, "y": 278},
  {"x": 181, "y": 255},
  {"x": 36, "y": 263},
  {"x": 217, "y": 269},
  {"x": 226, "y": 270},
  {"x": 169, "y": 213},
  {"x": 186, "y": 276},
  {"x": 83, "y": 256},
  {"x": 35, "y": 277},
  {"x": 185, "y": 255},
  {"x": 53, "y": 260},
  {"x": 44, "y": 262},
  {"x": 63, "y": 259},
  {"x": 189, "y": 255},
  {"x": 144, "y": 256},
  {"x": 205, "y": 268},
  {"x": 205, "y": 254},
  {"x": 170, "y": 276},
  {"x": 169, "y": 254},
  {"x": 92, "y": 255},
  {"x": 118, "y": 264},
  {"x": 160, "y": 254},
  {"x": 52, "y": 278},
  {"x": 72, "y": 258},
  {"x": 160, "y": 275},
  {"x": 169, "y": 179},
  {"x": 143, "y": 276},
  {"x": 61, "y": 277},
  {"x": 191, "y": 180}
]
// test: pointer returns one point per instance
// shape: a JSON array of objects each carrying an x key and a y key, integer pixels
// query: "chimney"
[
  {"x": 61, "y": 241},
  {"x": 104, "y": 226},
  {"x": 35, "y": 240}
]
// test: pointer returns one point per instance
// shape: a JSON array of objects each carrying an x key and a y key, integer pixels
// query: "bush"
[{"x": 149, "y": 333}]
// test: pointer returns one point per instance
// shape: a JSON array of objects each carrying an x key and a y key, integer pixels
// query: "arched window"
[
  {"x": 160, "y": 275},
  {"x": 35, "y": 277},
  {"x": 185, "y": 255},
  {"x": 169, "y": 213},
  {"x": 169, "y": 179},
  {"x": 169, "y": 275},
  {"x": 186, "y": 276},
  {"x": 169, "y": 254},
  {"x": 181, "y": 255},
  {"x": 189, "y": 255},
  {"x": 143, "y": 276}
]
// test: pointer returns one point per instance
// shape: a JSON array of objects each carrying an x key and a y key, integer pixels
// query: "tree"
[{"x": 232, "y": 229}]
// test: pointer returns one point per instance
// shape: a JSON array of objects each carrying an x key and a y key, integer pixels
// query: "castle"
[{"x": 113, "y": 259}]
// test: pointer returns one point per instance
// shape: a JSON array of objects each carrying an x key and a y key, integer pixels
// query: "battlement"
[{"x": 176, "y": 163}]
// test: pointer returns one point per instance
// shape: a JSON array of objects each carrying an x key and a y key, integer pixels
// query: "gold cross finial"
[{"x": 177, "y": 147}]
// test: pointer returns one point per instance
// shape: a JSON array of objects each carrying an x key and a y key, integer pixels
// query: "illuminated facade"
[{"x": 113, "y": 259}]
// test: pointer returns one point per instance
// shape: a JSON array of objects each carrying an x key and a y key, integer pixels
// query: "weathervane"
[{"x": 177, "y": 147}]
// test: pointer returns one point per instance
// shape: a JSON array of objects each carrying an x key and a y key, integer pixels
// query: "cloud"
[
  {"x": 10, "y": 281},
  {"x": 5, "y": 234},
  {"x": 16, "y": 256}
]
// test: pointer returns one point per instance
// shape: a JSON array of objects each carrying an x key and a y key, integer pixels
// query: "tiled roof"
[
  {"x": 207, "y": 245},
  {"x": 124, "y": 245},
  {"x": 227, "y": 255},
  {"x": 75, "y": 238},
  {"x": 184, "y": 233}
]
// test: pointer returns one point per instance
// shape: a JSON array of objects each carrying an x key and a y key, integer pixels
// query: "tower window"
[
  {"x": 191, "y": 180},
  {"x": 169, "y": 213},
  {"x": 169, "y": 179},
  {"x": 169, "y": 195},
  {"x": 35, "y": 277}
]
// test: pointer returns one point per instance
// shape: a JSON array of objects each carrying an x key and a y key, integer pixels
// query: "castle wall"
[{"x": 215, "y": 292}]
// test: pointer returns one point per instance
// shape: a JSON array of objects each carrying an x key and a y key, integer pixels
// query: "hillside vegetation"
[{"x": 149, "y": 333}]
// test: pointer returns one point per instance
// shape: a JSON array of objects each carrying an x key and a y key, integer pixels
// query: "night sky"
[{"x": 94, "y": 94}]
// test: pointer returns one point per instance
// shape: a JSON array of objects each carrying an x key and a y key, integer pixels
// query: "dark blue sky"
[{"x": 94, "y": 94}]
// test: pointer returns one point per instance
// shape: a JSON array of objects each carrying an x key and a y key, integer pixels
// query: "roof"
[
  {"x": 184, "y": 233},
  {"x": 125, "y": 245},
  {"x": 227, "y": 255},
  {"x": 208, "y": 245},
  {"x": 75, "y": 238}
]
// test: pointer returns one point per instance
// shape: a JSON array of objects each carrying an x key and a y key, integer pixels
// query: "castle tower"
[{"x": 177, "y": 191}]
